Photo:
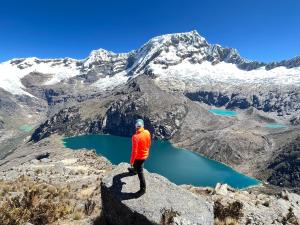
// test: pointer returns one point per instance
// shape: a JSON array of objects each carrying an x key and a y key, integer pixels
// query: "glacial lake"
[
  {"x": 275, "y": 126},
  {"x": 178, "y": 165},
  {"x": 222, "y": 112},
  {"x": 26, "y": 128}
]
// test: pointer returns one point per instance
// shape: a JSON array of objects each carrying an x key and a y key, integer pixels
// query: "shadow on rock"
[
  {"x": 117, "y": 185},
  {"x": 164, "y": 201}
]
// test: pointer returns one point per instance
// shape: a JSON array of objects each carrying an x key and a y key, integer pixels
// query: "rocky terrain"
[
  {"x": 122, "y": 205},
  {"x": 242, "y": 142},
  {"x": 286, "y": 166},
  {"x": 252, "y": 206},
  {"x": 45, "y": 183}
]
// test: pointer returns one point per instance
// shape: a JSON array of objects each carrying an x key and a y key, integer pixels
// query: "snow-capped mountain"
[
  {"x": 183, "y": 62},
  {"x": 184, "y": 58},
  {"x": 51, "y": 70}
]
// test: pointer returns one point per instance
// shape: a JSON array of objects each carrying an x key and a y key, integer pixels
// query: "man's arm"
[
  {"x": 149, "y": 140},
  {"x": 133, "y": 149}
]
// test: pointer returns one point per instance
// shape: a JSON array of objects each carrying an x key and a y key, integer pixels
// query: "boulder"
[
  {"x": 221, "y": 189},
  {"x": 163, "y": 202}
]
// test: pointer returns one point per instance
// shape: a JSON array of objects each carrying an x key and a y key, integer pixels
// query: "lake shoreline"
[{"x": 193, "y": 154}]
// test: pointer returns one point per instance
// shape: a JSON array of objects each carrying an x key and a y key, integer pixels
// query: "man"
[{"x": 141, "y": 142}]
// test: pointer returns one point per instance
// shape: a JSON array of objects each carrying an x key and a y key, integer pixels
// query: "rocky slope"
[
  {"x": 115, "y": 113},
  {"x": 241, "y": 142},
  {"x": 286, "y": 166},
  {"x": 252, "y": 206},
  {"x": 45, "y": 183},
  {"x": 163, "y": 203}
]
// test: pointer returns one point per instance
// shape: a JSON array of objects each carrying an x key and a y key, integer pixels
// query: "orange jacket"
[{"x": 141, "y": 142}]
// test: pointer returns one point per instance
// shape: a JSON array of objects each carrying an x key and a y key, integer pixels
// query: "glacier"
[{"x": 180, "y": 61}]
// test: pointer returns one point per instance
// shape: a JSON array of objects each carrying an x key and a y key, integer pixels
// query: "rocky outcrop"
[
  {"x": 295, "y": 120},
  {"x": 1, "y": 124},
  {"x": 66, "y": 121},
  {"x": 51, "y": 184},
  {"x": 162, "y": 112},
  {"x": 101, "y": 63},
  {"x": 283, "y": 102},
  {"x": 163, "y": 203},
  {"x": 85, "y": 118},
  {"x": 291, "y": 63},
  {"x": 255, "y": 206},
  {"x": 286, "y": 166},
  {"x": 8, "y": 104}
]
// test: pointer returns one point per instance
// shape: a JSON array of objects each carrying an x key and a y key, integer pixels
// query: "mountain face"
[
  {"x": 171, "y": 82},
  {"x": 183, "y": 62},
  {"x": 241, "y": 142}
]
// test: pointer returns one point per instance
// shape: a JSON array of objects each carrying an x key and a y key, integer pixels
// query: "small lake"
[
  {"x": 26, "y": 128},
  {"x": 178, "y": 165},
  {"x": 222, "y": 112},
  {"x": 275, "y": 126}
]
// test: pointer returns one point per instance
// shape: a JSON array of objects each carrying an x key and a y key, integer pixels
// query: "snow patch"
[
  {"x": 188, "y": 74},
  {"x": 12, "y": 73},
  {"x": 108, "y": 83}
]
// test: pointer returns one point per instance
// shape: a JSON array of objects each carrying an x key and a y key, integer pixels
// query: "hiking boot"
[{"x": 132, "y": 170}]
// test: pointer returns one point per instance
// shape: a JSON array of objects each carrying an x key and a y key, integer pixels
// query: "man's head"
[{"x": 139, "y": 123}]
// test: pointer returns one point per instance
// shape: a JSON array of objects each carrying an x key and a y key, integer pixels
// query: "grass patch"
[
  {"x": 25, "y": 201},
  {"x": 228, "y": 214}
]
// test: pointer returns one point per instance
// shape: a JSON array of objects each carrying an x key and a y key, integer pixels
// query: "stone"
[
  {"x": 163, "y": 201},
  {"x": 221, "y": 189},
  {"x": 45, "y": 160}
]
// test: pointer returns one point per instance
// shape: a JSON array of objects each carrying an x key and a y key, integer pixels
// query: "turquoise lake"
[
  {"x": 26, "y": 128},
  {"x": 178, "y": 165},
  {"x": 275, "y": 126},
  {"x": 223, "y": 112}
]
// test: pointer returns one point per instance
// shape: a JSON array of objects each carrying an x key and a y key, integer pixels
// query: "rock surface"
[
  {"x": 258, "y": 206},
  {"x": 72, "y": 179},
  {"x": 56, "y": 176},
  {"x": 286, "y": 166},
  {"x": 163, "y": 203}
]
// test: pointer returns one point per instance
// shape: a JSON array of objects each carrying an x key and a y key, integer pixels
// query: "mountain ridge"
[
  {"x": 195, "y": 32},
  {"x": 162, "y": 56}
]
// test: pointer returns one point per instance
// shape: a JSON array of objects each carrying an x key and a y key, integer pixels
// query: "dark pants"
[{"x": 138, "y": 167}]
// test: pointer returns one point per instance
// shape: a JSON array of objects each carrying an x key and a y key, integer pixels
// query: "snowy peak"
[
  {"x": 191, "y": 38},
  {"x": 168, "y": 49},
  {"x": 170, "y": 55},
  {"x": 100, "y": 55}
]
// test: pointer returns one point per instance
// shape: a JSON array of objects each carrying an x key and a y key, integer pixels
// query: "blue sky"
[{"x": 264, "y": 30}]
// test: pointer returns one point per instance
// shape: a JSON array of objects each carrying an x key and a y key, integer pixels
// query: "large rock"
[{"x": 163, "y": 203}]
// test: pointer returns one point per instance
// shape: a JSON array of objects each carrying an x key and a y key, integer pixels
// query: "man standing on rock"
[{"x": 141, "y": 142}]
